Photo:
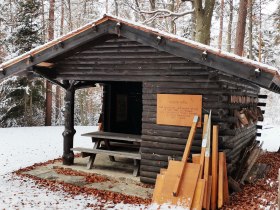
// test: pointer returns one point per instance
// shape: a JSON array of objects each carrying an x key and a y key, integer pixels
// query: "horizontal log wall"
[{"x": 162, "y": 73}]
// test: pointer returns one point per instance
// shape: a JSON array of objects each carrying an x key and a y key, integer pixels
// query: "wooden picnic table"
[{"x": 115, "y": 145}]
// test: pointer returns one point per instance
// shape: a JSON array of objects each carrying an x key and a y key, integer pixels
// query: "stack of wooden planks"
[{"x": 199, "y": 184}]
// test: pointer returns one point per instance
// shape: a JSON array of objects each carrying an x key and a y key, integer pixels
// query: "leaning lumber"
[
  {"x": 234, "y": 185},
  {"x": 178, "y": 174},
  {"x": 214, "y": 168},
  {"x": 185, "y": 156}
]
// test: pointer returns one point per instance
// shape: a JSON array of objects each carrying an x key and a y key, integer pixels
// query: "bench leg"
[
  {"x": 91, "y": 161},
  {"x": 137, "y": 167},
  {"x": 107, "y": 144}
]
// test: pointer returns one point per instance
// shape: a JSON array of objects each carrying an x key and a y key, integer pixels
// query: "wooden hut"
[{"x": 142, "y": 71}]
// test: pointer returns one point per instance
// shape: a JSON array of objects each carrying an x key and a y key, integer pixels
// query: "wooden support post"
[{"x": 69, "y": 131}]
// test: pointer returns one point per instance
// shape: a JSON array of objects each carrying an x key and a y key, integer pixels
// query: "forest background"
[{"x": 249, "y": 28}]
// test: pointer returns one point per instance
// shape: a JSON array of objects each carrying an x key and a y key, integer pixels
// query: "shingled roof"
[{"x": 258, "y": 73}]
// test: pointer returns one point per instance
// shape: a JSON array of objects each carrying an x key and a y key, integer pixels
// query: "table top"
[{"x": 114, "y": 136}]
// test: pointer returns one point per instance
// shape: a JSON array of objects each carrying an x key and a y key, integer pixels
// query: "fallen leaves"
[
  {"x": 89, "y": 177},
  {"x": 102, "y": 195},
  {"x": 261, "y": 194}
]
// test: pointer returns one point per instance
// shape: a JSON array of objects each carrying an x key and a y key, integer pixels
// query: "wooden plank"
[
  {"x": 114, "y": 136},
  {"x": 206, "y": 144},
  {"x": 186, "y": 154},
  {"x": 221, "y": 180},
  {"x": 226, "y": 190},
  {"x": 206, "y": 177},
  {"x": 214, "y": 189},
  {"x": 198, "y": 195},
  {"x": 209, "y": 188},
  {"x": 132, "y": 155},
  {"x": 203, "y": 146}
]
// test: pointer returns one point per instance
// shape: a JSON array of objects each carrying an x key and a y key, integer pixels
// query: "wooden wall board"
[{"x": 178, "y": 109}]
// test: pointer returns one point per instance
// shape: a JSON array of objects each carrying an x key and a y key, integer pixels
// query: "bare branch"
[{"x": 166, "y": 13}]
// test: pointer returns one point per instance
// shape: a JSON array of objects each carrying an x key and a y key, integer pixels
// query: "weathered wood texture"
[{"x": 163, "y": 73}]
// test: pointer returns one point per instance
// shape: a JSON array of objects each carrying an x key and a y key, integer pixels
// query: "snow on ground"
[
  {"x": 21, "y": 147},
  {"x": 270, "y": 137}
]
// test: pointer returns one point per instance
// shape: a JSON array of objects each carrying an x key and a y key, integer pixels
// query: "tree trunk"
[
  {"x": 43, "y": 22},
  {"x": 250, "y": 28},
  {"x": 58, "y": 89},
  {"x": 260, "y": 34},
  {"x": 48, "y": 119},
  {"x": 241, "y": 27},
  {"x": 116, "y": 8},
  {"x": 203, "y": 20},
  {"x": 221, "y": 25},
  {"x": 193, "y": 21},
  {"x": 70, "y": 24},
  {"x": 152, "y": 8},
  {"x": 69, "y": 131},
  {"x": 229, "y": 31}
]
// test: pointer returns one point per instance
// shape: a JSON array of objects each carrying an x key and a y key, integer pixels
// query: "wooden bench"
[{"x": 115, "y": 145}]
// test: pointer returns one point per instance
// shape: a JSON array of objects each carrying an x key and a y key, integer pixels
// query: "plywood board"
[
  {"x": 158, "y": 187},
  {"x": 196, "y": 158},
  {"x": 186, "y": 194},
  {"x": 176, "y": 109}
]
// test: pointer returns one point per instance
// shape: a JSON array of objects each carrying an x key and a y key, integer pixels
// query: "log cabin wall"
[{"x": 160, "y": 72}]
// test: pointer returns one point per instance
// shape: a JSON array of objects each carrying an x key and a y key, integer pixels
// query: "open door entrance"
[{"x": 123, "y": 107}]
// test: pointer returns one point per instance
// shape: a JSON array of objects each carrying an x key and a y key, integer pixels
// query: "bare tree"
[
  {"x": 221, "y": 25},
  {"x": 241, "y": 27},
  {"x": 48, "y": 116},
  {"x": 58, "y": 89},
  {"x": 229, "y": 30},
  {"x": 116, "y": 7},
  {"x": 260, "y": 33},
  {"x": 203, "y": 20},
  {"x": 250, "y": 28}
]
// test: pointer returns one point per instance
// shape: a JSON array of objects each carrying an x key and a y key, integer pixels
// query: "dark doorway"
[{"x": 123, "y": 107}]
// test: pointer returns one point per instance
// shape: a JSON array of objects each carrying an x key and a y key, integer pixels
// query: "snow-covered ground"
[
  {"x": 270, "y": 137},
  {"x": 21, "y": 147}
]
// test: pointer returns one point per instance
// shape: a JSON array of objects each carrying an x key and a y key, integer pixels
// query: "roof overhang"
[{"x": 260, "y": 74}]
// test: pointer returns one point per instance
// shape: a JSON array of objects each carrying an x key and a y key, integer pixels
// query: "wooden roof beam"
[
  {"x": 45, "y": 65},
  {"x": 47, "y": 77}
]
